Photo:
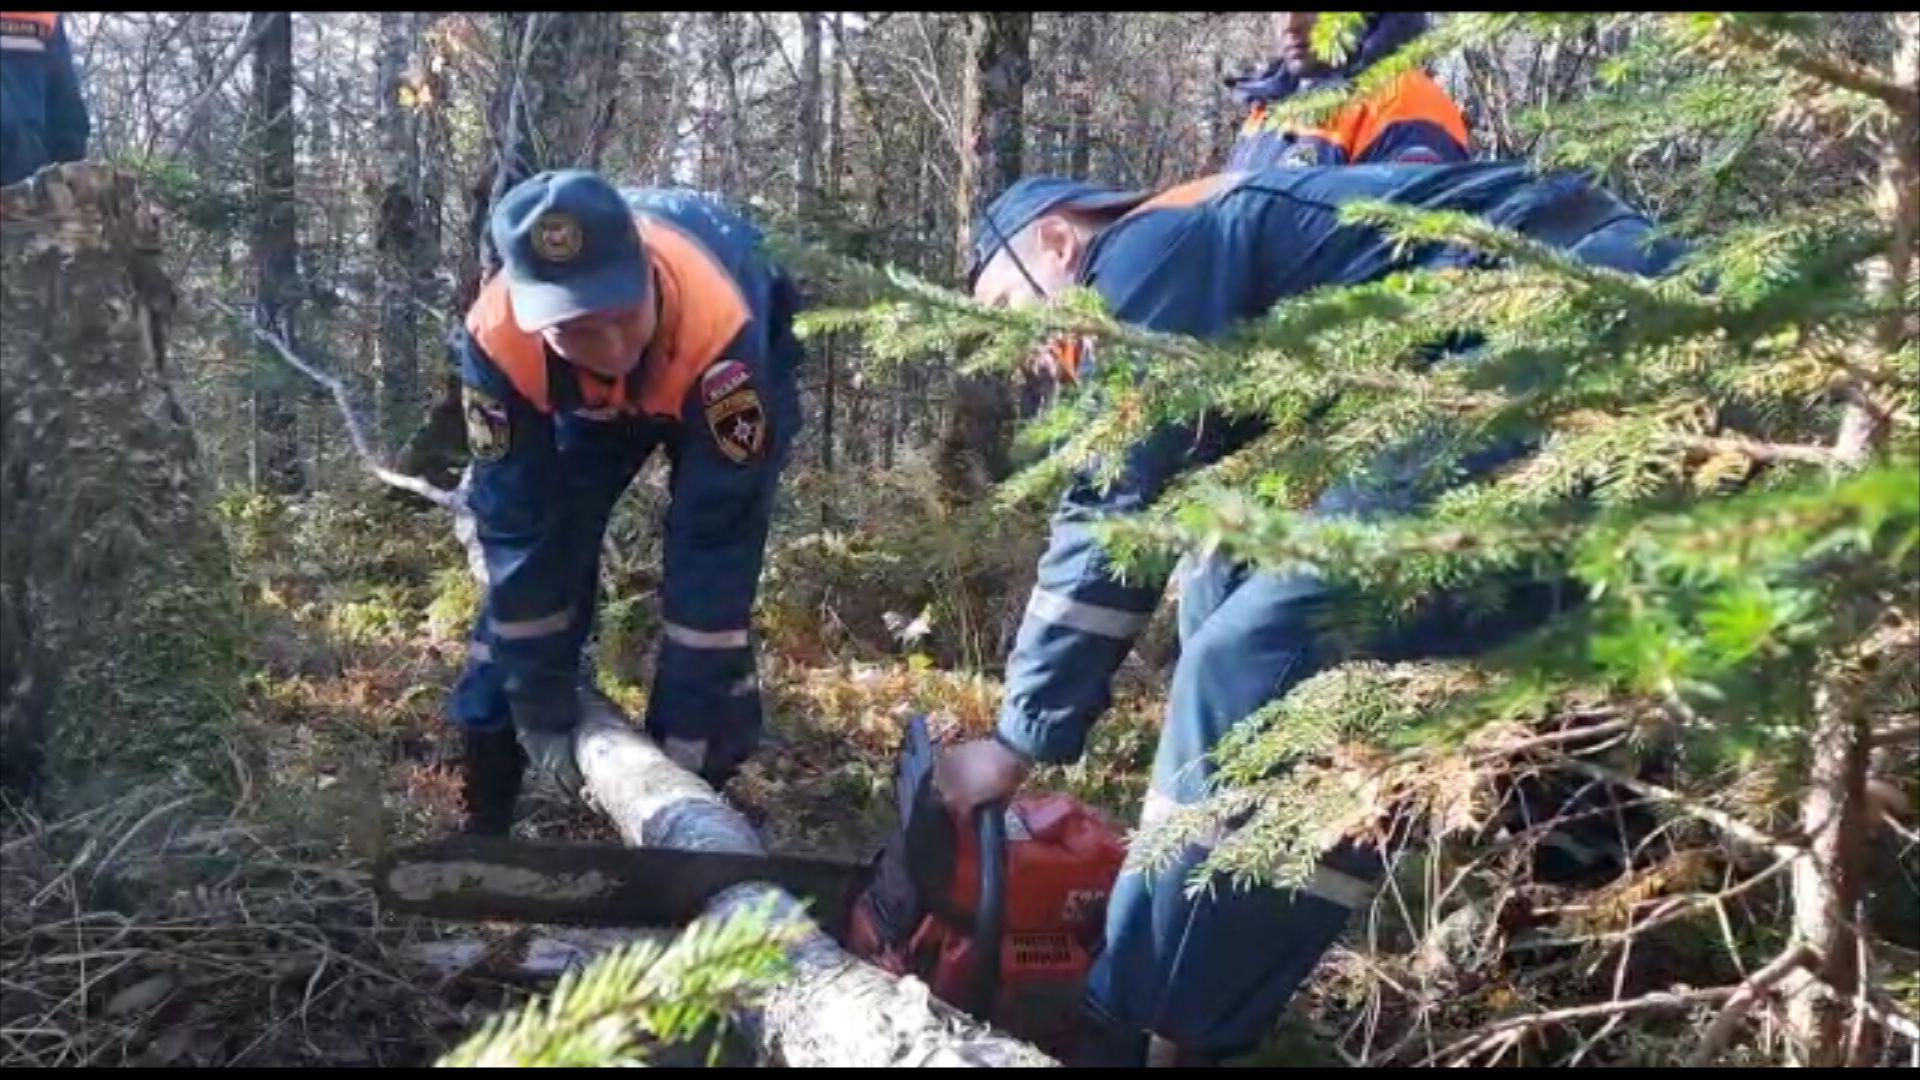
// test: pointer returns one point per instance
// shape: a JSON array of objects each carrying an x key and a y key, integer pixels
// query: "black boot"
[{"x": 492, "y": 770}]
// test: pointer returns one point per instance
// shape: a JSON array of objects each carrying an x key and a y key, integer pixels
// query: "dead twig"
[
  {"x": 1742, "y": 1001},
  {"x": 1505, "y": 1032},
  {"x": 201, "y": 106},
  {"x": 1720, "y": 819}
]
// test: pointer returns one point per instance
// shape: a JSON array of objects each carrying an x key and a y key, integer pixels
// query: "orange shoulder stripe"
[
  {"x": 1413, "y": 96},
  {"x": 519, "y": 355},
  {"x": 701, "y": 311}
]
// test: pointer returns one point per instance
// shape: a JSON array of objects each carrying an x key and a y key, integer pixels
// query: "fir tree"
[{"x": 1726, "y": 461}]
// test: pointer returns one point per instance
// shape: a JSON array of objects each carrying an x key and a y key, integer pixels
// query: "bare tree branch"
[
  {"x": 1763, "y": 451},
  {"x": 1902, "y": 99},
  {"x": 1674, "y": 908},
  {"x": 1743, "y": 1001},
  {"x": 448, "y": 500},
  {"x": 1901, "y": 731},
  {"x": 779, "y": 47},
  {"x": 1505, "y": 1031},
  {"x": 1725, "y": 822},
  {"x": 201, "y": 107}
]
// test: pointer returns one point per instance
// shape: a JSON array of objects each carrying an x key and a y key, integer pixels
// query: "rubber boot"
[{"x": 492, "y": 771}]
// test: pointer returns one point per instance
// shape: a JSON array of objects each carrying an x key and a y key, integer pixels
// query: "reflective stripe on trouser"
[
  {"x": 704, "y": 707},
  {"x": 592, "y": 488},
  {"x": 1212, "y": 973},
  {"x": 480, "y": 697},
  {"x": 704, "y": 639},
  {"x": 1107, "y": 622}
]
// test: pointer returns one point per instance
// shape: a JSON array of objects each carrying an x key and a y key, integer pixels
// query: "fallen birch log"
[{"x": 835, "y": 1009}]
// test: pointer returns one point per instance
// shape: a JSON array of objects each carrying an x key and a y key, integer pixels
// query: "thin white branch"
[
  {"x": 1725, "y": 822},
  {"x": 448, "y": 500}
]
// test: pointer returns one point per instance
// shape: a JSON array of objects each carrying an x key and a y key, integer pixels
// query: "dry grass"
[{"x": 151, "y": 930}]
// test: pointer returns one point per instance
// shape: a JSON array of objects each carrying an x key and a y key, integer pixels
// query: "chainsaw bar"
[{"x": 484, "y": 878}]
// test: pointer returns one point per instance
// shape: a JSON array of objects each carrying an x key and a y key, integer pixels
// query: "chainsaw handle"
[{"x": 989, "y": 921}]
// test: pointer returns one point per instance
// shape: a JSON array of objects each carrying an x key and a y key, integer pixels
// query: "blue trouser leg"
[
  {"x": 480, "y": 697},
  {"x": 1205, "y": 583},
  {"x": 1212, "y": 974},
  {"x": 602, "y": 459}
]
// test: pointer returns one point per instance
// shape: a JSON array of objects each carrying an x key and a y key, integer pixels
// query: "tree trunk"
[
  {"x": 833, "y": 1009},
  {"x": 98, "y": 480},
  {"x": 1222, "y": 125},
  {"x": 276, "y": 457},
  {"x": 977, "y": 434},
  {"x": 558, "y": 93},
  {"x": 1085, "y": 25},
  {"x": 436, "y": 151},
  {"x": 1828, "y": 889},
  {"x": 720, "y": 142},
  {"x": 553, "y": 108},
  {"x": 991, "y": 130},
  {"x": 397, "y": 237},
  {"x": 807, "y": 156}
]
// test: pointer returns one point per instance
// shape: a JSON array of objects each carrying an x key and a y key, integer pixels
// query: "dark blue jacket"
[
  {"x": 1198, "y": 270},
  {"x": 43, "y": 119}
]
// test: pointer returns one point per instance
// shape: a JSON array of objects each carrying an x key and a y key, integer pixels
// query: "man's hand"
[
  {"x": 545, "y": 726},
  {"x": 977, "y": 773}
]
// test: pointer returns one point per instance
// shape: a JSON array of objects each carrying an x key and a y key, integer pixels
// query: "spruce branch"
[
  {"x": 1794, "y": 52},
  {"x": 609, "y": 1012}
]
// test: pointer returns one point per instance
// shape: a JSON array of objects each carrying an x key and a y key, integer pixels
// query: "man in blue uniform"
[
  {"x": 1211, "y": 975},
  {"x": 621, "y": 322},
  {"x": 43, "y": 120}
]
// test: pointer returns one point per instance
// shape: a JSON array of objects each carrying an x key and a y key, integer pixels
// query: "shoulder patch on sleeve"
[
  {"x": 733, "y": 411},
  {"x": 489, "y": 431}
]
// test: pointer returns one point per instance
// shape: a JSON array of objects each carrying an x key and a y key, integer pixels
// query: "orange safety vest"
[
  {"x": 1412, "y": 96},
  {"x": 701, "y": 311},
  {"x": 27, "y": 31}
]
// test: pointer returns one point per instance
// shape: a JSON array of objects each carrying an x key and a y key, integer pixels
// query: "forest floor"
[
  {"x": 209, "y": 906},
  {"x": 219, "y": 914}
]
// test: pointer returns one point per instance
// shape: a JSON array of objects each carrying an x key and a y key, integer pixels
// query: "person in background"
[
  {"x": 1410, "y": 121},
  {"x": 43, "y": 118}
]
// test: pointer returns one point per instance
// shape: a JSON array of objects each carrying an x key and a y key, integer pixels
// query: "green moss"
[
  {"x": 387, "y": 614},
  {"x": 157, "y": 691},
  {"x": 456, "y": 603}
]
